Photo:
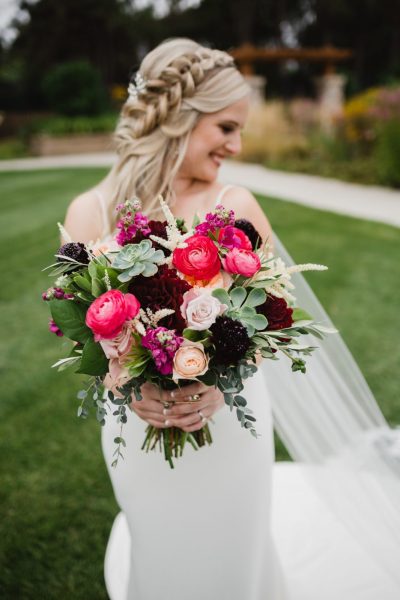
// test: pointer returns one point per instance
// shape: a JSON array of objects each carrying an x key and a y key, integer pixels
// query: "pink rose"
[
  {"x": 199, "y": 259},
  {"x": 241, "y": 262},
  {"x": 190, "y": 361},
  {"x": 108, "y": 313},
  {"x": 117, "y": 376},
  {"x": 200, "y": 309},
  {"x": 121, "y": 344},
  {"x": 232, "y": 237}
]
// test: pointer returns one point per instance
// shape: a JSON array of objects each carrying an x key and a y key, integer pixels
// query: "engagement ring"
[
  {"x": 194, "y": 398},
  {"x": 167, "y": 404}
]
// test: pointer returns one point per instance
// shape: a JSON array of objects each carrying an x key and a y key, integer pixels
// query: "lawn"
[{"x": 55, "y": 497}]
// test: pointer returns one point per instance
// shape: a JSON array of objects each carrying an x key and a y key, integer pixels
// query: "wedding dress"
[{"x": 229, "y": 524}]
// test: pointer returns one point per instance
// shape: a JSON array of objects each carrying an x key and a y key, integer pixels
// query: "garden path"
[{"x": 372, "y": 203}]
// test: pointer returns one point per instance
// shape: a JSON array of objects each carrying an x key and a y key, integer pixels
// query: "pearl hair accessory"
[{"x": 136, "y": 86}]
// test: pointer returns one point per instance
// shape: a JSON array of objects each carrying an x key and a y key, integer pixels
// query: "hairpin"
[{"x": 136, "y": 86}]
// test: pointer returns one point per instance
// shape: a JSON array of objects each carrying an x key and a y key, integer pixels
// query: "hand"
[{"x": 185, "y": 416}]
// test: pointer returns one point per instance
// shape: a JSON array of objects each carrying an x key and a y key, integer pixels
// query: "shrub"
[
  {"x": 75, "y": 89},
  {"x": 387, "y": 153}
]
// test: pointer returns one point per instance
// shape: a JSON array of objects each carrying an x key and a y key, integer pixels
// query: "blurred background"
[
  {"x": 325, "y": 80},
  {"x": 325, "y": 75}
]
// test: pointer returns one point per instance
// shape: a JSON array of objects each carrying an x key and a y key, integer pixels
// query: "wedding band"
[
  {"x": 165, "y": 412},
  {"x": 167, "y": 404},
  {"x": 194, "y": 398}
]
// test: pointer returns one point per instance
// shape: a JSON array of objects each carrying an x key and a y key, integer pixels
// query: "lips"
[{"x": 217, "y": 158}]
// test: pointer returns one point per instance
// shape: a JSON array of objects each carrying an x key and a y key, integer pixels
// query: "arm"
[{"x": 83, "y": 218}]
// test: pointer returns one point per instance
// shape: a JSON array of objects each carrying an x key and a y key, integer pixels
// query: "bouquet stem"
[{"x": 172, "y": 440}]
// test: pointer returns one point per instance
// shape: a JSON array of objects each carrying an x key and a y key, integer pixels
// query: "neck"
[{"x": 184, "y": 185}]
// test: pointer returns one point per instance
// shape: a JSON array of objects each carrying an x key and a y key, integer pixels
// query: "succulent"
[
  {"x": 241, "y": 307},
  {"x": 137, "y": 259}
]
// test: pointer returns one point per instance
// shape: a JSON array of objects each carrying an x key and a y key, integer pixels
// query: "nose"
[{"x": 234, "y": 144}]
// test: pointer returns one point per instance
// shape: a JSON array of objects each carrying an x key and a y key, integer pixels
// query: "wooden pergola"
[{"x": 247, "y": 54}]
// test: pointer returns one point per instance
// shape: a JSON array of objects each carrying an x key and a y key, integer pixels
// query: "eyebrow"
[{"x": 231, "y": 122}]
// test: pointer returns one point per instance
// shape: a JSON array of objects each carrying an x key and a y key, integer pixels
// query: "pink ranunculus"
[
  {"x": 232, "y": 237},
  {"x": 108, "y": 313},
  {"x": 241, "y": 262},
  {"x": 199, "y": 259},
  {"x": 121, "y": 344}
]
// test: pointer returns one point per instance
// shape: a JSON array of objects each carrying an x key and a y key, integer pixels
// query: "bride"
[{"x": 216, "y": 527}]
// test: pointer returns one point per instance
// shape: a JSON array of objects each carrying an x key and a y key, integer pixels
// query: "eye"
[{"x": 226, "y": 128}]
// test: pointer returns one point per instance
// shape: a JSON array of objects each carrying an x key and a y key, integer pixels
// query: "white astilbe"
[
  {"x": 176, "y": 239},
  {"x": 276, "y": 279},
  {"x": 151, "y": 319},
  {"x": 64, "y": 234}
]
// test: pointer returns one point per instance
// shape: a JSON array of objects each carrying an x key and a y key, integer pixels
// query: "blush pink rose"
[
  {"x": 108, "y": 313},
  {"x": 190, "y": 361},
  {"x": 232, "y": 237},
  {"x": 199, "y": 259},
  {"x": 117, "y": 376},
  {"x": 241, "y": 262},
  {"x": 200, "y": 308},
  {"x": 121, "y": 344}
]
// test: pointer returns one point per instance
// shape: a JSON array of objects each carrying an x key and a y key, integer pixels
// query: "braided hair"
[{"x": 183, "y": 81}]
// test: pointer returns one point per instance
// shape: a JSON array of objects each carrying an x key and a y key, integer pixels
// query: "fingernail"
[
  {"x": 172, "y": 394},
  {"x": 167, "y": 422}
]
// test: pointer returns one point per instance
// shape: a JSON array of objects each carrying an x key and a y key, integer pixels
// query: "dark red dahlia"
[
  {"x": 163, "y": 290},
  {"x": 277, "y": 312},
  {"x": 158, "y": 228},
  {"x": 230, "y": 339}
]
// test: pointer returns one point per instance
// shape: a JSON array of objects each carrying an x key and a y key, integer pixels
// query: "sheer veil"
[{"x": 330, "y": 422}]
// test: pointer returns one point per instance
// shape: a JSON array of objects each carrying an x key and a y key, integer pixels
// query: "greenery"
[
  {"x": 56, "y": 500},
  {"x": 59, "y": 126},
  {"x": 387, "y": 153},
  {"x": 74, "y": 89}
]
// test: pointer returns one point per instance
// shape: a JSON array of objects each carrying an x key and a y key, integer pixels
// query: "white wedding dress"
[{"x": 227, "y": 523}]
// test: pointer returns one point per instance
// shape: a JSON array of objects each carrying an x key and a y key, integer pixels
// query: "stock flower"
[
  {"x": 200, "y": 309},
  {"x": 230, "y": 339},
  {"x": 232, "y": 237},
  {"x": 277, "y": 312},
  {"x": 108, "y": 313},
  {"x": 190, "y": 361},
  {"x": 164, "y": 290},
  {"x": 219, "y": 218},
  {"x": 162, "y": 343},
  {"x": 241, "y": 262},
  {"x": 199, "y": 259}
]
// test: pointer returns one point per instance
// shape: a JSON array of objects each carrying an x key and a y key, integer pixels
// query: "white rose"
[{"x": 201, "y": 309}]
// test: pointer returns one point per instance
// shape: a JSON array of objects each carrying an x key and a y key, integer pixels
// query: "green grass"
[{"x": 56, "y": 500}]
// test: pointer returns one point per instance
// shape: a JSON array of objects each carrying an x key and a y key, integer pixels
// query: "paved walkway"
[{"x": 372, "y": 203}]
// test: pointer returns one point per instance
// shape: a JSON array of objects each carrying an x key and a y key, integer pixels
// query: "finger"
[
  {"x": 189, "y": 407},
  {"x": 189, "y": 390},
  {"x": 188, "y": 420},
  {"x": 147, "y": 405},
  {"x": 153, "y": 392}
]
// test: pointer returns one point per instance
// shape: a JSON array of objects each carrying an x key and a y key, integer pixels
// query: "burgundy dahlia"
[
  {"x": 163, "y": 290},
  {"x": 158, "y": 228},
  {"x": 277, "y": 312},
  {"x": 248, "y": 228},
  {"x": 230, "y": 339}
]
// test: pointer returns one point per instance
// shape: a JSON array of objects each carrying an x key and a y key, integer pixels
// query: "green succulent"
[
  {"x": 137, "y": 259},
  {"x": 241, "y": 307}
]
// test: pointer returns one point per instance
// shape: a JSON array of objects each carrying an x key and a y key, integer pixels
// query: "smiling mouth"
[{"x": 217, "y": 158}]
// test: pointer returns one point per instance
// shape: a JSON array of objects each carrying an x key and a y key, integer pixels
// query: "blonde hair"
[{"x": 183, "y": 80}]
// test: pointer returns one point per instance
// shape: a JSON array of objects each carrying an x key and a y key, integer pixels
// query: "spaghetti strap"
[
  {"x": 222, "y": 193},
  {"x": 104, "y": 215}
]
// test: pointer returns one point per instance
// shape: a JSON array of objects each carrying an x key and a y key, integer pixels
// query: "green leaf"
[
  {"x": 222, "y": 295},
  {"x": 70, "y": 316},
  {"x": 97, "y": 287},
  {"x": 238, "y": 296},
  {"x": 301, "y": 315},
  {"x": 196, "y": 336},
  {"x": 94, "y": 361},
  {"x": 196, "y": 220},
  {"x": 256, "y": 297},
  {"x": 92, "y": 268},
  {"x": 83, "y": 283}
]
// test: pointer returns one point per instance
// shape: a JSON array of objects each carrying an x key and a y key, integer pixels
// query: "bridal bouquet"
[{"x": 168, "y": 305}]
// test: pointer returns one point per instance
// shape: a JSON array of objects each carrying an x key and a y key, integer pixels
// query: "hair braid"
[{"x": 164, "y": 94}]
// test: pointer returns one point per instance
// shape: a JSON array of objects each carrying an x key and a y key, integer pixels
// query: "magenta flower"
[
  {"x": 162, "y": 343},
  {"x": 221, "y": 217},
  {"x": 130, "y": 224},
  {"x": 53, "y": 328}
]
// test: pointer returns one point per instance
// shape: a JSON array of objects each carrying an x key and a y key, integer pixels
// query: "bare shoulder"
[
  {"x": 83, "y": 218},
  {"x": 246, "y": 206}
]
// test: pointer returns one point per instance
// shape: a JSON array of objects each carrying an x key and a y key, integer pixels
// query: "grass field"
[{"x": 56, "y": 500}]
